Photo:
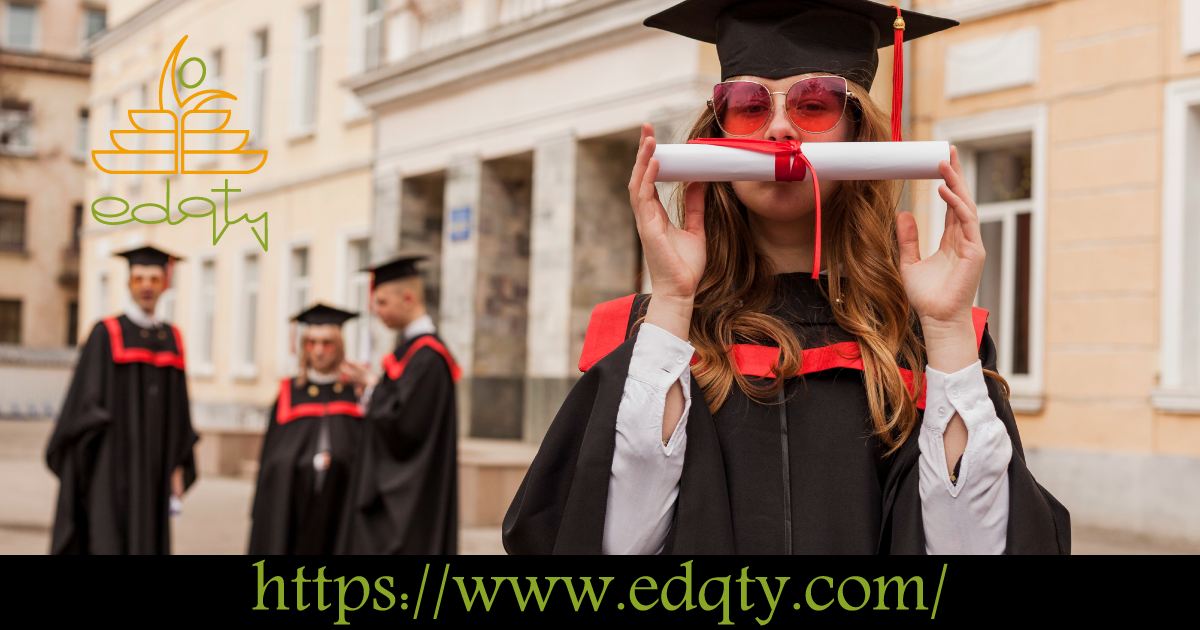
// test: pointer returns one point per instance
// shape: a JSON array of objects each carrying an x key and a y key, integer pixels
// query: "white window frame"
[
  {"x": 343, "y": 290},
  {"x": 213, "y": 81},
  {"x": 285, "y": 359},
  {"x": 12, "y": 117},
  {"x": 1027, "y": 389},
  {"x": 100, "y": 296},
  {"x": 1189, "y": 27},
  {"x": 240, "y": 369},
  {"x": 200, "y": 365},
  {"x": 36, "y": 41},
  {"x": 302, "y": 91},
  {"x": 1173, "y": 395},
  {"x": 356, "y": 60},
  {"x": 83, "y": 25},
  {"x": 258, "y": 84}
]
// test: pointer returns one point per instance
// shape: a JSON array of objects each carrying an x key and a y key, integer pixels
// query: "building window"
[
  {"x": 358, "y": 294},
  {"x": 1180, "y": 324},
  {"x": 81, "y": 134},
  {"x": 208, "y": 311},
  {"x": 298, "y": 289},
  {"x": 16, "y": 128},
  {"x": 21, "y": 26},
  {"x": 165, "y": 309},
  {"x": 95, "y": 20},
  {"x": 139, "y": 142},
  {"x": 100, "y": 302},
  {"x": 72, "y": 324},
  {"x": 307, "y": 71},
  {"x": 248, "y": 339},
  {"x": 12, "y": 225},
  {"x": 10, "y": 321},
  {"x": 76, "y": 227},
  {"x": 257, "y": 73},
  {"x": 373, "y": 35},
  {"x": 213, "y": 81}
]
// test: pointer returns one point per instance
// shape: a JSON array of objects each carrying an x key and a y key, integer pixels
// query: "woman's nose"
[{"x": 780, "y": 127}]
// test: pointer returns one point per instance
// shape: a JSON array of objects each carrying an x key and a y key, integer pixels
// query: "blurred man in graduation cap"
[
  {"x": 308, "y": 451},
  {"x": 122, "y": 448},
  {"x": 404, "y": 494}
]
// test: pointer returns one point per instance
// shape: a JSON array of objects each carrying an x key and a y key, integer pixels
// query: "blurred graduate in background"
[
  {"x": 122, "y": 448},
  {"x": 404, "y": 496},
  {"x": 308, "y": 451}
]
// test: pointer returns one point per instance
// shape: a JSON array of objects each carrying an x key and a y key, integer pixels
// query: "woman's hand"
[
  {"x": 674, "y": 257},
  {"x": 942, "y": 288},
  {"x": 359, "y": 375}
]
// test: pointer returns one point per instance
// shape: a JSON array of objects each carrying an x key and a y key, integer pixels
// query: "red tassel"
[{"x": 897, "y": 73}]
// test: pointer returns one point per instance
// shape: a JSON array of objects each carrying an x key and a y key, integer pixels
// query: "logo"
[{"x": 190, "y": 130}]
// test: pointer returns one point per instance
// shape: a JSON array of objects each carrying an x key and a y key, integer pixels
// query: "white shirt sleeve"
[
  {"x": 645, "y": 472},
  {"x": 970, "y": 516}
]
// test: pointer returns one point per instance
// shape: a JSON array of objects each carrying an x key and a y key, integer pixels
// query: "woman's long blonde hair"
[{"x": 734, "y": 298}]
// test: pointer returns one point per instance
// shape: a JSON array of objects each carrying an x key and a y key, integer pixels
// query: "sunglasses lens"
[
  {"x": 816, "y": 105},
  {"x": 741, "y": 107}
]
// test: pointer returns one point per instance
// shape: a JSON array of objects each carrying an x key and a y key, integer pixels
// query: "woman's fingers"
[
  {"x": 964, "y": 215},
  {"x": 640, "y": 164},
  {"x": 908, "y": 237},
  {"x": 693, "y": 208}
]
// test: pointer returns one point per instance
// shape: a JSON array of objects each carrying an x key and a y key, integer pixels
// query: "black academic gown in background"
[
  {"x": 404, "y": 492},
  {"x": 124, "y": 428},
  {"x": 293, "y": 512},
  {"x": 802, "y": 477}
]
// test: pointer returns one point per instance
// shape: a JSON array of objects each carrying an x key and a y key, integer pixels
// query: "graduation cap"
[
  {"x": 320, "y": 315},
  {"x": 775, "y": 39},
  {"x": 395, "y": 269},
  {"x": 149, "y": 256}
]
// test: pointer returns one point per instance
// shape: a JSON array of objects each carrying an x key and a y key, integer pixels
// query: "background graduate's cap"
[
  {"x": 149, "y": 256},
  {"x": 320, "y": 314},
  {"x": 404, "y": 266}
]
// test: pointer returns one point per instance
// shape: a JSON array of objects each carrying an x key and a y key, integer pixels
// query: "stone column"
[
  {"x": 460, "y": 255},
  {"x": 549, "y": 366}
]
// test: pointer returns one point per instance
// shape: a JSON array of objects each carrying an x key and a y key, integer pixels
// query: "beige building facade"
[
  {"x": 233, "y": 298},
  {"x": 44, "y": 116}
]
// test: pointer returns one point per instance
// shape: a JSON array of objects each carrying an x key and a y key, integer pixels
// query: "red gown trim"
[
  {"x": 285, "y": 412},
  {"x": 395, "y": 368},
  {"x": 606, "y": 331},
  {"x": 121, "y": 354}
]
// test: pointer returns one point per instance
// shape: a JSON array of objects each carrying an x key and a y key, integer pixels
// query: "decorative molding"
[
  {"x": 580, "y": 26},
  {"x": 1189, "y": 24},
  {"x": 971, "y": 10},
  {"x": 1176, "y": 401},
  {"x": 37, "y": 357},
  {"x": 1031, "y": 405},
  {"x": 41, "y": 62},
  {"x": 1180, "y": 98},
  {"x": 113, "y": 35},
  {"x": 996, "y": 62}
]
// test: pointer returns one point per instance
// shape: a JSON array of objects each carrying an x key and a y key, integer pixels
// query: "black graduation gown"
[
  {"x": 124, "y": 428},
  {"x": 292, "y": 514},
  {"x": 806, "y": 476},
  {"x": 404, "y": 491}
]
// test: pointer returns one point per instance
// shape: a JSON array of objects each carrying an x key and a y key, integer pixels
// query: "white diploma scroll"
[{"x": 833, "y": 161}]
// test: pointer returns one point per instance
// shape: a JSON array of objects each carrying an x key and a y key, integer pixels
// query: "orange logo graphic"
[{"x": 183, "y": 130}]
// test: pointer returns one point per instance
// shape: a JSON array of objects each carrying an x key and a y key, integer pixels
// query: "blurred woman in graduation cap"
[
  {"x": 308, "y": 452},
  {"x": 791, "y": 386},
  {"x": 122, "y": 447},
  {"x": 403, "y": 498}
]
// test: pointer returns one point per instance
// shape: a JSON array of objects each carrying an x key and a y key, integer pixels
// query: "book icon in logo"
[{"x": 193, "y": 132}]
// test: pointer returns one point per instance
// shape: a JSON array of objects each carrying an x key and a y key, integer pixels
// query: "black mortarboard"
[
  {"x": 149, "y": 256},
  {"x": 396, "y": 269},
  {"x": 774, "y": 39},
  {"x": 319, "y": 314}
]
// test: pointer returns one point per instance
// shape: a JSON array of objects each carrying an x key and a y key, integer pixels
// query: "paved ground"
[{"x": 216, "y": 513}]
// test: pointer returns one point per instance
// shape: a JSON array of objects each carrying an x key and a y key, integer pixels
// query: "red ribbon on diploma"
[{"x": 790, "y": 165}]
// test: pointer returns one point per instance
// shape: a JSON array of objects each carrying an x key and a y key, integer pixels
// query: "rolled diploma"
[{"x": 833, "y": 161}]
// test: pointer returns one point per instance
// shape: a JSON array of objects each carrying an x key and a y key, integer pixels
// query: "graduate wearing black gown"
[
  {"x": 403, "y": 497},
  {"x": 313, "y": 432},
  {"x": 125, "y": 429},
  {"x": 807, "y": 471}
]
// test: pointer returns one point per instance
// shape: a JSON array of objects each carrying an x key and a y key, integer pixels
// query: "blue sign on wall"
[{"x": 460, "y": 223}]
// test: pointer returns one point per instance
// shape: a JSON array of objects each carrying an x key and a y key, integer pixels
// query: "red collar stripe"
[
  {"x": 121, "y": 354},
  {"x": 285, "y": 412},
  {"x": 609, "y": 322},
  {"x": 395, "y": 368}
]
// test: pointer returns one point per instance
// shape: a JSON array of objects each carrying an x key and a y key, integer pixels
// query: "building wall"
[
  {"x": 315, "y": 188},
  {"x": 52, "y": 80},
  {"x": 1094, "y": 72}
]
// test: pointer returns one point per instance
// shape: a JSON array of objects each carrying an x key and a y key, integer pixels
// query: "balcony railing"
[{"x": 430, "y": 24}]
